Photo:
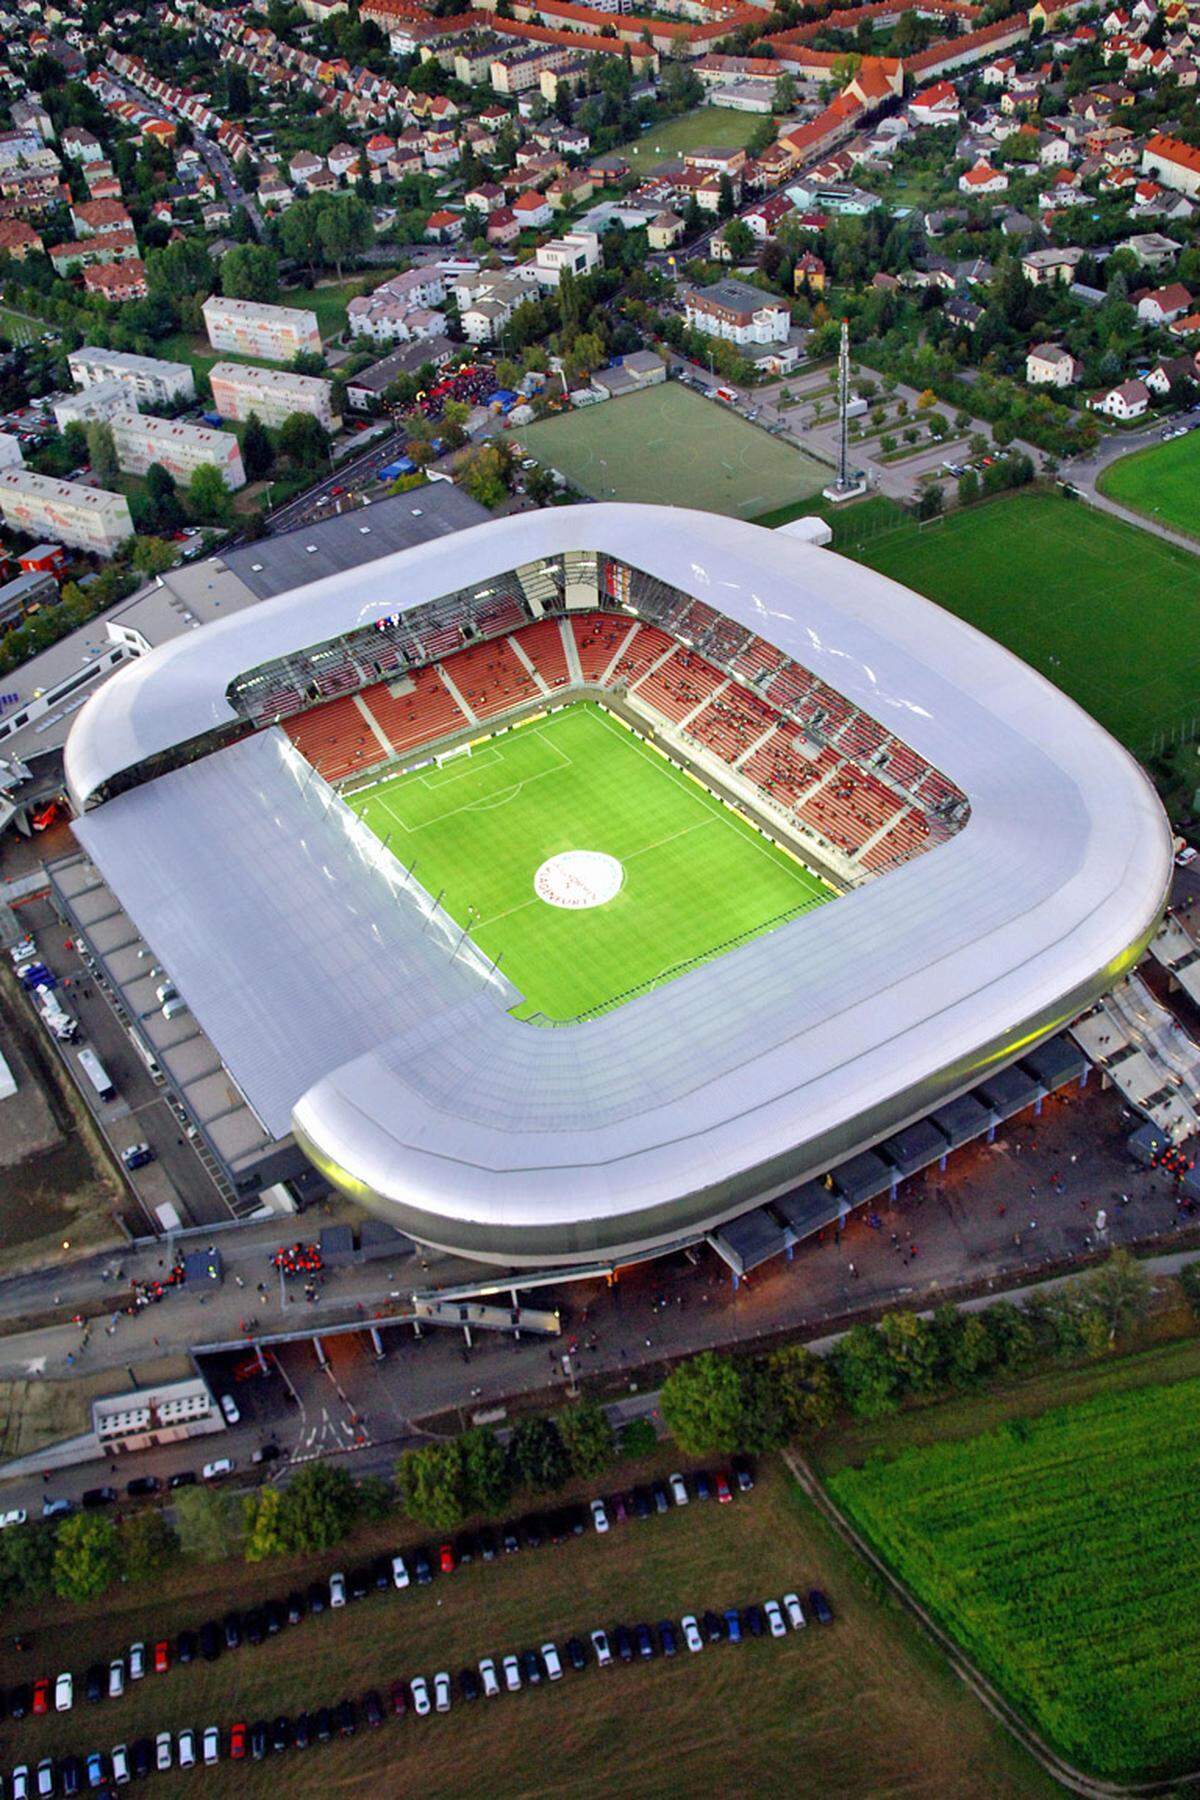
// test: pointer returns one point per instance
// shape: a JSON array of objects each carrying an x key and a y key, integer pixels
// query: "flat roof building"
[
  {"x": 180, "y": 449},
  {"x": 154, "y": 381},
  {"x": 274, "y": 394},
  {"x": 279, "y": 333},
  {"x": 87, "y": 518},
  {"x": 100, "y": 400}
]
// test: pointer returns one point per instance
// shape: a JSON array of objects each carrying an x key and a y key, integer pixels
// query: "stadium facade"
[{"x": 1000, "y": 862}]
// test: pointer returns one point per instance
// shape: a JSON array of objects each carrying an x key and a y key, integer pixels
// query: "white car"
[
  {"x": 216, "y": 1471},
  {"x": 418, "y": 1687},
  {"x": 45, "y": 1778},
  {"x": 120, "y": 1765},
  {"x": 137, "y": 1661},
  {"x": 487, "y": 1674},
  {"x": 774, "y": 1618},
  {"x": 17, "y": 1516},
  {"x": 691, "y": 1633},
  {"x": 599, "y": 1516},
  {"x": 64, "y": 1692},
  {"x": 187, "y": 1748},
  {"x": 229, "y": 1408},
  {"x": 337, "y": 1589},
  {"x": 600, "y": 1646},
  {"x": 212, "y": 1744},
  {"x": 162, "y": 1751},
  {"x": 116, "y": 1678},
  {"x": 441, "y": 1691},
  {"x": 399, "y": 1572},
  {"x": 794, "y": 1611},
  {"x": 679, "y": 1493},
  {"x": 552, "y": 1661},
  {"x": 20, "y": 1782},
  {"x": 512, "y": 1674}
]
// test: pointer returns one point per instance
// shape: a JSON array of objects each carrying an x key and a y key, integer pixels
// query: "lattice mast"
[{"x": 843, "y": 470}]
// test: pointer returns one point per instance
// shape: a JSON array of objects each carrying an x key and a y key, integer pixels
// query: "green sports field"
[
  {"x": 1163, "y": 482},
  {"x": 716, "y": 127},
  {"x": 672, "y": 447},
  {"x": 696, "y": 876},
  {"x": 1107, "y": 612}
]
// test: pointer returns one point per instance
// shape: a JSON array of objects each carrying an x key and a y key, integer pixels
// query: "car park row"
[{"x": 422, "y": 1695}]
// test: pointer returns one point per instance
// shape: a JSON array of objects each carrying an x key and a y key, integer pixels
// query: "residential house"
[
  {"x": 982, "y": 179},
  {"x": 532, "y": 210},
  {"x": 1049, "y": 365},
  {"x": 936, "y": 105},
  {"x": 444, "y": 227},
  {"x": 117, "y": 281},
  {"x": 1174, "y": 163},
  {"x": 1042, "y": 266},
  {"x": 663, "y": 230},
  {"x": 741, "y": 314},
  {"x": 1129, "y": 401},
  {"x": 1159, "y": 306}
]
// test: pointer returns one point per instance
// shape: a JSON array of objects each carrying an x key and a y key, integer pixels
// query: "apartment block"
[
  {"x": 273, "y": 394},
  {"x": 153, "y": 381},
  {"x": 250, "y": 328},
  {"x": 63, "y": 511},
  {"x": 181, "y": 449}
]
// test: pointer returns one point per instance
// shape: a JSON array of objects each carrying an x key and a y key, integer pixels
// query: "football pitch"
[
  {"x": 692, "y": 876},
  {"x": 1163, "y": 482},
  {"x": 669, "y": 446}
]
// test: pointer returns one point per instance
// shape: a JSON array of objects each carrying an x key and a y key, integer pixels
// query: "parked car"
[
  {"x": 120, "y": 1765},
  {"x": 372, "y": 1707},
  {"x": 531, "y": 1667},
  {"x": 185, "y": 1648},
  {"x": 55, "y": 1509},
  {"x": 487, "y": 1675},
  {"x": 510, "y": 1540},
  {"x": 468, "y": 1684},
  {"x": 275, "y": 1616},
  {"x": 93, "y": 1498},
  {"x": 70, "y": 1776},
  {"x": 318, "y": 1596},
  {"x": 794, "y": 1611},
  {"x": 599, "y": 1515},
  {"x": 141, "y": 1757},
  {"x": 142, "y": 1486},
  {"x": 358, "y": 1583},
  {"x": 667, "y": 1638},
  {"x": 162, "y": 1657},
  {"x": 820, "y": 1606},
  {"x": 487, "y": 1544},
  {"x": 137, "y": 1661},
  {"x": 623, "y": 1643},
  {"x": 733, "y": 1625},
  {"x": 644, "y": 1638},
  {"x": 743, "y": 1474},
  {"x": 553, "y": 1662},
  {"x": 601, "y": 1646},
  {"x": 218, "y": 1469},
  {"x": 182, "y": 1478},
  {"x": 96, "y": 1769},
  {"x": 422, "y": 1568},
  {"x": 399, "y": 1572},
  {"x": 302, "y": 1730},
  {"x": 446, "y": 1559},
  {"x": 399, "y": 1699},
  {"x": 259, "y": 1738},
  {"x": 512, "y": 1674},
  {"x": 281, "y": 1733},
  {"x": 702, "y": 1483},
  {"x": 163, "y": 1751},
  {"x": 95, "y": 1683},
  {"x": 116, "y": 1678},
  {"x": 41, "y": 1695},
  {"x": 774, "y": 1618},
  {"x": 323, "y": 1724},
  {"x": 45, "y": 1778},
  {"x": 185, "y": 1748},
  {"x": 660, "y": 1496},
  {"x": 211, "y": 1743},
  {"x": 418, "y": 1688},
  {"x": 576, "y": 1652},
  {"x": 64, "y": 1692},
  {"x": 230, "y": 1408},
  {"x": 254, "y": 1626},
  {"x": 337, "y": 1589},
  {"x": 752, "y": 1621},
  {"x": 691, "y": 1632},
  {"x": 679, "y": 1491},
  {"x": 724, "y": 1496},
  {"x": 20, "y": 1782},
  {"x": 20, "y": 1699},
  {"x": 641, "y": 1505},
  {"x": 210, "y": 1640}
]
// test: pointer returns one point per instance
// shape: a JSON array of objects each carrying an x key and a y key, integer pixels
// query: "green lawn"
[
  {"x": 720, "y": 126},
  {"x": 330, "y": 298},
  {"x": 1163, "y": 481},
  {"x": 696, "y": 875},
  {"x": 670, "y": 446},
  {"x": 1107, "y": 612},
  {"x": 1063, "y": 1553}
]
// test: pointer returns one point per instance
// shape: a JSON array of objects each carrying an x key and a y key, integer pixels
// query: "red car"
[
  {"x": 446, "y": 1559},
  {"x": 162, "y": 1657},
  {"x": 723, "y": 1494},
  {"x": 41, "y": 1694},
  {"x": 399, "y": 1699},
  {"x": 237, "y": 1743}
]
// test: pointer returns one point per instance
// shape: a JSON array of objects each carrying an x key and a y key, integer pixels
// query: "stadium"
[{"x": 570, "y": 886}]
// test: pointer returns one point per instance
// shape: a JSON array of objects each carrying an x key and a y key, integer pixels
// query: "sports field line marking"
[
  {"x": 484, "y": 805},
  {"x": 461, "y": 765}
]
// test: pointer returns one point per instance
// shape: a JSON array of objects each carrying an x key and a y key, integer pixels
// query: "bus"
[{"x": 94, "y": 1069}]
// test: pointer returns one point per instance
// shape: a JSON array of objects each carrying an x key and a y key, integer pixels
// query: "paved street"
[{"x": 1085, "y": 472}]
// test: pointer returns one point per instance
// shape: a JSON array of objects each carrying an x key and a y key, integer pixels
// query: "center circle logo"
[{"x": 579, "y": 878}]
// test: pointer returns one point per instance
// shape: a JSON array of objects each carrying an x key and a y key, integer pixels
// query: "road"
[
  {"x": 1084, "y": 473},
  {"x": 222, "y": 171},
  {"x": 351, "y": 475}
]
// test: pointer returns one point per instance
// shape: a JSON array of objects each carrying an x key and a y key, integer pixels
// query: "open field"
[
  {"x": 721, "y": 126},
  {"x": 1061, "y": 1550},
  {"x": 1108, "y": 613},
  {"x": 756, "y": 1718},
  {"x": 696, "y": 874},
  {"x": 669, "y": 445},
  {"x": 1163, "y": 482}
]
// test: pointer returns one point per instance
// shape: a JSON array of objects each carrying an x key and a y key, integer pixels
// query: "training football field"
[{"x": 692, "y": 876}]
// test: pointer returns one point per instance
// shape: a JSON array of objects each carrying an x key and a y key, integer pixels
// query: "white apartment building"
[
  {"x": 486, "y": 302},
  {"x": 578, "y": 251},
  {"x": 401, "y": 309},
  {"x": 86, "y": 518},
  {"x": 1049, "y": 365},
  {"x": 155, "y": 382},
  {"x": 181, "y": 449},
  {"x": 99, "y": 401},
  {"x": 249, "y": 328},
  {"x": 274, "y": 394},
  {"x": 738, "y": 312}
]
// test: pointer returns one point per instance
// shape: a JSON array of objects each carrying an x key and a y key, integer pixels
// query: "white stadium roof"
[{"x": 519, "y": 1142}]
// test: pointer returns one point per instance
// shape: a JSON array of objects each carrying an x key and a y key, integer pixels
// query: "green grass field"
[
  {"x": 1063, "y": 1553},
  {"x": 696, "y": 874},
  {"x": 1108, "y": 613},
  {"x": 721, "y": 126},
  {"x": 670, "y": 446},
  {"x": 1163, "y": 482}
]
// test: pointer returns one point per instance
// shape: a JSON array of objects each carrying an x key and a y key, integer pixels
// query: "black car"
[
  {"x": 487, "y": 1544},
  {"x": 186, "y": 1647},
  {"x": 19, "y": 1700},
  {"x": 372, "y": 1707},
  {"x": 713, "y": 1626},
  {"x": 381, "y": 1573},
  {"x": 358, "y": 1583},
  {"x": 468, "y": 1684},
  {"x": 622, "y": 1643},
  {"x": 260, "y": 1737},
  {"x": 182, "y": 1478},
  {"x": 511, "y": 1540},
  {"x": 534, "y": 1530},
  {"x": 645, "y": 1640},
  {"x": 141, "y": 1758},
  {"x": 322, "y": 1725},
  {"x": 70, "y": 1775},
  {"x": 662, "y": 1500},
  {"x": 466, "y": 1547},
  {"x": 702, "y": 1484},
  {"x": 422, "y": 1568},
  {"x": 641, "y": 1504},
  {"x": 743, "y": 1473},
  {"x": 142, "y": 1485},
  {"x": 318, "y": 1596},
  {"x": 753, "y": 1624},
  {"x": 301, "y": 1731},
  {"x": 254, "y": 1626},
  {"x": 667, "y": 1638},
  {"x": 531, "y": 1666},
  {"x": 231, "y": 1625},
  {"x": 347, "y": 1718},
  {"x": 98, "y": 1496},
  {"x": 296, "y": 1608},
  {"x": 274, "y": 1616},
  {"x": 210, "y": 1640},
  {"x": 95, "y": 1683},
  {"x": 576, "y": 1520},
  {"x": 268, "y": 1454},
  {"x": 559, "y": 1526},
  {"x": 820, "y": 1606},
  {"x": 576, "y": 1653},
  {"x": 281, "y": 1733}
]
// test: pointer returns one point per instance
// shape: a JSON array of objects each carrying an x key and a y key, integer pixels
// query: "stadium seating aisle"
[
  {"x": 421, "y": 713},
  {"x": 543, "y": 645},
  {"x": 336, "y": 739},
  {"x": 598, "y": 637},
  {"x": 491, "y": 677},
  {"x": 679, "y": 685}
]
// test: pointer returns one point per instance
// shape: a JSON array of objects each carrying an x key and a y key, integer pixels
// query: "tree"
[
  {"x": 739, "y": 240},
  {"x": 931, "y": 502},
  {"x": 211, "y": 1525},
  {"x": 345, "y": 228},
  {"x": 866, "y": 1372},
  {"x": 320, "y": 1506},
  {"x": 265, "y": 1532},
  {"x": 208, "y": 496},
  {"x": 587, "y": 1437},
  {"x": 1120, "y": 1291},
  {"x": 783, "y": 94},
  {"x": 303, "y": 440},
  {"x": 703, "y": 1404},
  {"x": 726, "y": 203},
  {"x": 102, "y": 451},
  {"x": 180, "y": 268},
  {"x": 537, "y": 1454},
  {"x": 250, "y": 272},
  {"x": 807, "y": 1391},
  {"x": 912, "y": 1348},
  {"x": 968, "y": 487},
  {"x": 258, "y": 452},
  {"x": 26, "y": 1563},
  {"x": 148, "y": 1545},
  {"x": 585, "y": 354},
  {"x": 87, "y": 1557},
  {"x": 639, "y": 1438},
  {"x": 487, "y": 1477},
  {"x": 153, "y": 556},
  {"x": 485, "y": 474},
  {"x": 431, "y": 1486}
]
